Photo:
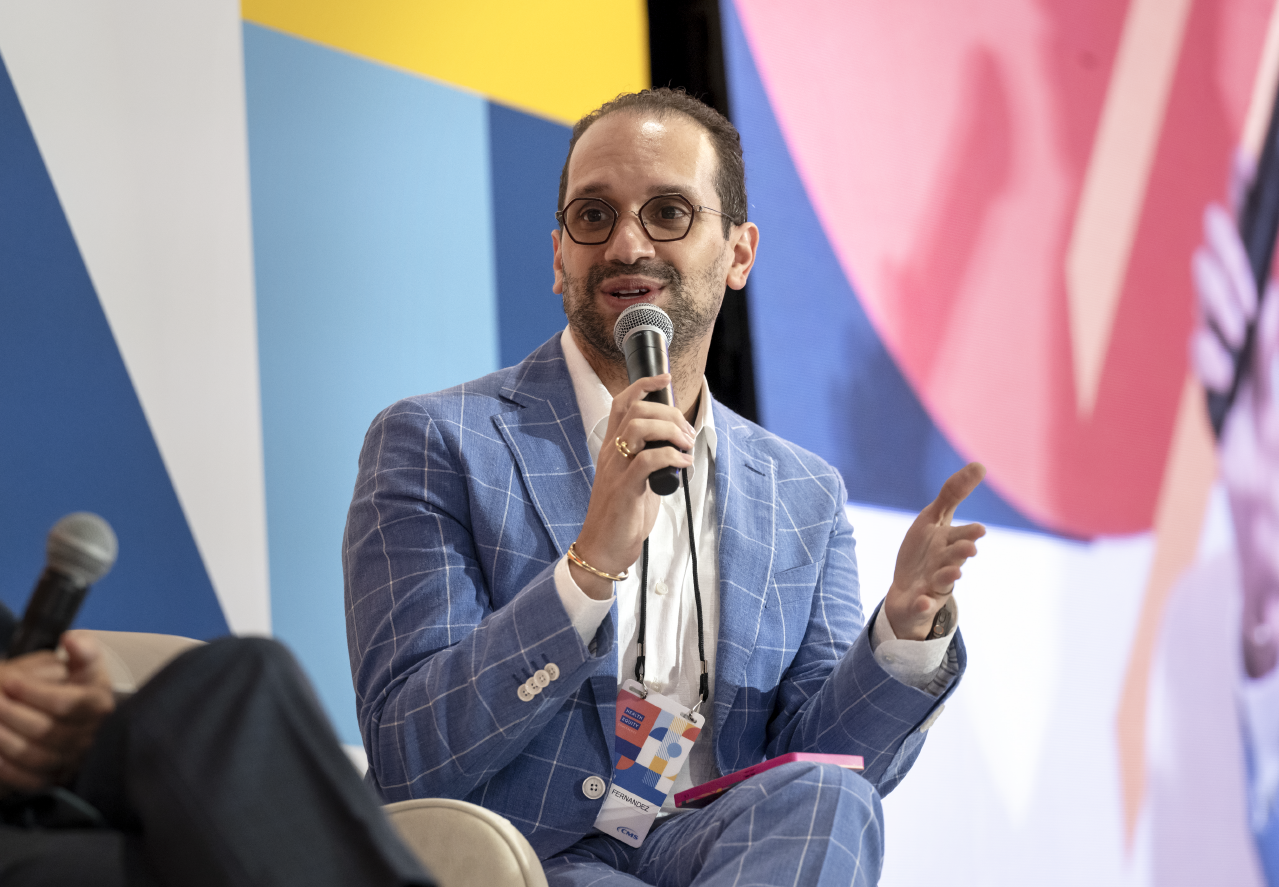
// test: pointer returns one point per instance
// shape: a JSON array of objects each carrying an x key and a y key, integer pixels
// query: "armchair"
[{"x": 459, "y": 843}]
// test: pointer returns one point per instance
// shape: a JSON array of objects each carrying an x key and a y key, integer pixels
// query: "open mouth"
[{"x": 631, "y": 289}]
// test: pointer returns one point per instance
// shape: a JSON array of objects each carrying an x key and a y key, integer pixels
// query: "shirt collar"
[{"x": 594, "y": 402}]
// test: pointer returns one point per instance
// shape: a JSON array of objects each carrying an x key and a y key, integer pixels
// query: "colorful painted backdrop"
[
  {"x": 228, "y": 237},
  {"x": 977, "y": 226},
  {"x": 230, "y": 234}
]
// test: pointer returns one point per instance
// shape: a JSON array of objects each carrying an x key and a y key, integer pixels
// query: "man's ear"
[
  {"x": 744, "y": 242},
  {"x": 557, "y": 262}
]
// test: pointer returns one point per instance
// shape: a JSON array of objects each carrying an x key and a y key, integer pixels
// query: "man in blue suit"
[{"x": 495, "y": 560}]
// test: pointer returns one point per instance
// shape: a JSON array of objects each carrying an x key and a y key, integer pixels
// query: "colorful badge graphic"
[{"x": 653, "y": 739}]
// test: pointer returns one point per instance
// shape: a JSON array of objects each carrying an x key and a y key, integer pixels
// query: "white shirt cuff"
[
  {"x": 912, "y": 662},
  {"x": 586, "y": 613}
]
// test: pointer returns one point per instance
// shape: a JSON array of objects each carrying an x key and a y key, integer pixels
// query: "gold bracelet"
[{"x": 577, "y": 559}]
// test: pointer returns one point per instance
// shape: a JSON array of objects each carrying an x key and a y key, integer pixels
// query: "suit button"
[
  {"x": 533, "y": 686},
  {"x": 524, "y": 693},
  {"x": 552, "y": 670},
  {"x": 593, "y": 787}
]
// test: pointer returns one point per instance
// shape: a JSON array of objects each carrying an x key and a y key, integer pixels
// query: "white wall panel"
[{"x": 138, "y": 110}]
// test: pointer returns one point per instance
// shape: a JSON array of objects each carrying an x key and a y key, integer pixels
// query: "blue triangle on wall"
[{"x": 73, "y": 435}]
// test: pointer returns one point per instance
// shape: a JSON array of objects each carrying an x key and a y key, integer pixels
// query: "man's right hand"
[
  {"x": 50, "y": 711},
  {"x": 623, "y": 509}
]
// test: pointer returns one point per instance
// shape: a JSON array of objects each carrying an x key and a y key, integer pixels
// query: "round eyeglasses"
[{"x": 590, "y": 221}]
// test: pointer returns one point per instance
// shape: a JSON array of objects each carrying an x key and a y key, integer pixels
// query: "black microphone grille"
[
  {"x": 643, "y": 315},
  {"x": 82, "y": 546}
]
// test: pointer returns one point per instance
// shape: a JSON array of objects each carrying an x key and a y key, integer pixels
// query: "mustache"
[{"x": 660, "y": 271}]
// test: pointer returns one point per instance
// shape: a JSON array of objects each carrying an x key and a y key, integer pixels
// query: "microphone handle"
[
  {"x": 53, "y": 606},
  {"x": 646, "y": 357}
]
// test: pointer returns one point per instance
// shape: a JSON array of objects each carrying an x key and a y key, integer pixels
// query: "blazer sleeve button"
[{"x": 524, "y": 693}]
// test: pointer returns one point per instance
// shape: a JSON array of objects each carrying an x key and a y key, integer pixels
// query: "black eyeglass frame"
[{"x": 695, "y": 207}]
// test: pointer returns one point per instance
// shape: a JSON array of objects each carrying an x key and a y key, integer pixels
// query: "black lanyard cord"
[
  {"x": 643, "y": 617},
  {"x": 704, "y": 682}
]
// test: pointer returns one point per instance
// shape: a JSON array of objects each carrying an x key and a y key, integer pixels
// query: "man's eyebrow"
[
  {"x": 682, "y": 190},
  {"x": 595, "y": 189}
]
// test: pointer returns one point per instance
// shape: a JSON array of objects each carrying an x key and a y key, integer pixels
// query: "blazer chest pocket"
[{"x": 788, "y": 601}]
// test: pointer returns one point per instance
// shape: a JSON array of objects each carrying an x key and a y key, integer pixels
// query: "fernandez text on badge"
[{"x": 631, "y": 799}]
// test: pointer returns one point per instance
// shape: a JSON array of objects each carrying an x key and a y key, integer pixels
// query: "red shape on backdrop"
[{"x": 944, "y": 148}]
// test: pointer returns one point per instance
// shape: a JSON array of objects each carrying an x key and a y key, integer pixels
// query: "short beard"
[{"x": 692, "y": 319}]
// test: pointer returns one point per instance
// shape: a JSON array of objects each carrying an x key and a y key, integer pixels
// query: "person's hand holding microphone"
[{"x": 623, "y": 506}]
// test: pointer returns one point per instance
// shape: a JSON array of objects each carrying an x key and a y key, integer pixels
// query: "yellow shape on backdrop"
[{"x": 556, "y": 58}]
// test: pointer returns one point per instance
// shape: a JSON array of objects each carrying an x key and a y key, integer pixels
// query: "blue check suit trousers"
[{"x": 807, "y": 824}]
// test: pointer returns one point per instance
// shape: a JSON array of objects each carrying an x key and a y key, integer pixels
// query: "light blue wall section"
[{"x": 372, "y": 239}]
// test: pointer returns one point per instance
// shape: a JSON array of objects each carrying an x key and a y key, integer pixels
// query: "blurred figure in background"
[{"x": 1248, "y": 450}]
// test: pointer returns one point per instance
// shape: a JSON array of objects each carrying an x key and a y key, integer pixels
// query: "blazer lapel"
[
  {"x": 548, "y": 443},
  {"x": 746, "y": 493}
]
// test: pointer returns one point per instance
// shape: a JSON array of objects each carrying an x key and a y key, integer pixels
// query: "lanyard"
[{"x": 697, "y": 597}]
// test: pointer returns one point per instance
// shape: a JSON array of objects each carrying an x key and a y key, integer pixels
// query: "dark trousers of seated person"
[{"x": 221, "y": 770}]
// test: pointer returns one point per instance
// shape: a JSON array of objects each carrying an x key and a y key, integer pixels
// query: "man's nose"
[{"x": 629, "y": 242}]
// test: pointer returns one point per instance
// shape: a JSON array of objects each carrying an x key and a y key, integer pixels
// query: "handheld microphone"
[
  {"x": 643, "y": 333},
  {"x": 81, "y": 550}
]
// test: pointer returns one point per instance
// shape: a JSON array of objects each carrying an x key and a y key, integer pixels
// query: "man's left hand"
[
  {"x": 930, "y": 558},
  {"x": 50, "y": 711}
]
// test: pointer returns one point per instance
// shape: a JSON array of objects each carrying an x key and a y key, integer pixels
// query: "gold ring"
[{"x": 623, "y": 447}]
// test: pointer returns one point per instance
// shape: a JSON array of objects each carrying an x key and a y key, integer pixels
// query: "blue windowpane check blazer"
[{"x": 464, "y": 502}]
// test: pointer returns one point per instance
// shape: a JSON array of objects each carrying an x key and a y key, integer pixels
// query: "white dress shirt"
[{"x": 672, "y": 667}]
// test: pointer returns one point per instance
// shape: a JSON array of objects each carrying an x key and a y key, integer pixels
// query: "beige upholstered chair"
[
  {"x": 459, "y": 843},
  {"x": 134, "y": 656},
  {"x": 462, "y": 843}
]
